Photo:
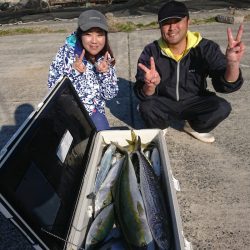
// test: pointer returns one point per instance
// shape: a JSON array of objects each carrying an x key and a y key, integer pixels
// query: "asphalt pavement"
[{"x": 24, "y": 65}]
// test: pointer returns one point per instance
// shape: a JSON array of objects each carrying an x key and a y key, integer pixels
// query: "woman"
[{"x": 87, "y": 60}]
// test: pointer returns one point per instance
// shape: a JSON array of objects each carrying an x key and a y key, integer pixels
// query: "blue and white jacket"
[{"x": 92, "y": 87}]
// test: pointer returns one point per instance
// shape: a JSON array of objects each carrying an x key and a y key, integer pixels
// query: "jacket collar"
[{"x": 193, "y": 39}]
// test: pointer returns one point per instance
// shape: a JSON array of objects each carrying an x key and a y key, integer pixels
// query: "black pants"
[{"x": 203, "y": 113}]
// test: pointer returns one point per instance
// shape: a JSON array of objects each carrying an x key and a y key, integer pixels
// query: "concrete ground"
[{"x": 215, "y": 192}]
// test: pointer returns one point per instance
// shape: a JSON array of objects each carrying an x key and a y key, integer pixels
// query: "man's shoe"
[{"x": 204, "y": 137}]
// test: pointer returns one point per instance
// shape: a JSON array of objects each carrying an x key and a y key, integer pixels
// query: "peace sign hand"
[
  {"x": 78, "y": 63},
  {"x": 236, "y": 48},
  {"x": 103, "y": 65},
  {"x": 151, "y": 77}
]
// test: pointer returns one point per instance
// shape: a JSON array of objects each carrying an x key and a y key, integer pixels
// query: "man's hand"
[
  {"x": 151, "y": 77},
  {"x": 236, "y": 47},
  {"x": 234, "y": 53},
  {"x": 78, "y": 63}
]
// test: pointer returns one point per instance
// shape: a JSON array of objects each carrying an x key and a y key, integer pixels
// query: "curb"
[{"x": 229, "y": 19}]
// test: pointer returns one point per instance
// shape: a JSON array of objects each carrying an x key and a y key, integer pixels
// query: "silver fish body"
[
  {"x": 104, "y": 166},
  {"x": 156, "y": 211},
  {"x": 104, "y": 195},
  {"x": 156, "y": 161}
]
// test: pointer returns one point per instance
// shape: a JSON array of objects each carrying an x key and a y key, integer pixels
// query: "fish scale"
[{"x": 154, "y": 204}]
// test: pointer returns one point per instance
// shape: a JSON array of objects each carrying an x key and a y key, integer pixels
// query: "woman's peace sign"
[
  {"x": 103, "y": 65},
  {"x": 78, "y": 63}
]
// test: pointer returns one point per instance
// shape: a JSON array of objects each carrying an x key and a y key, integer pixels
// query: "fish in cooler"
[{"x": 156, "y": 211}]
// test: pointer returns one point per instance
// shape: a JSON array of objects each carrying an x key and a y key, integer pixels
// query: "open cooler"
[{"x": 49, "y": 167}]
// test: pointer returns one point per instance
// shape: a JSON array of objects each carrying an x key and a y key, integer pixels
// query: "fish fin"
[
  {"x": 145, "y": 145},
  {"x": 130, "y": 146},
  {"x": 122, "y": 150},
  {"x": 132, "y": 143},
  {"x": 149, "y": 146},
  {"x": 133, "y": 135},
  {"x": 129, "y": 142}
]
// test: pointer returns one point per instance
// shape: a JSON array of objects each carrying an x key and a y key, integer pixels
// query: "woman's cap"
[
  {"x": 172, "y": 9},
  {"x": 92, "y": 18}
]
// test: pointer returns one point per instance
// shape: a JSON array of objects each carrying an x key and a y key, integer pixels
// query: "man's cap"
[
  {"x": 172, "y": 9},
  {"x": 92, "y": 18}
]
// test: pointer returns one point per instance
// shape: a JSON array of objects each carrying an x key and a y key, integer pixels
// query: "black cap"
[
  {"x": 92, "y": 18},
  {"x": 172, "y": 9}
]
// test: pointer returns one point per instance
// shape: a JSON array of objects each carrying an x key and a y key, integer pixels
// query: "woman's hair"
[{"x": 106, "y": 47}]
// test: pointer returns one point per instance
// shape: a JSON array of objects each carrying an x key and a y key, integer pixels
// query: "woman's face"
[{"x": 94, "y": 40}]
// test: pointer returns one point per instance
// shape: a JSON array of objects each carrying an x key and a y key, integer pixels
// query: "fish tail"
[{"x": 120, "y": 149}]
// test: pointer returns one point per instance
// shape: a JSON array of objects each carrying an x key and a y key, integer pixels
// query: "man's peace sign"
[
  {"x": 236, "y": 47},
  {"x": 151, "y": 77}
]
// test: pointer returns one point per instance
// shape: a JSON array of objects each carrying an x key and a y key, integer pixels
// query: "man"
[{"x": 172, "y": 71}]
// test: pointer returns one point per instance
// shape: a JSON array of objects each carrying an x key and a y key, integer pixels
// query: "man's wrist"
[
  {"x": 148, "y": 90},
  {"x": 234, "y": 64},
  {"x": 232, "y": 71}
]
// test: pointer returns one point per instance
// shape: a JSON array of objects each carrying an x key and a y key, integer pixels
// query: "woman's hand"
[
  {"x": 78, "y": 63},
  {"x": 102, "y": 66}
]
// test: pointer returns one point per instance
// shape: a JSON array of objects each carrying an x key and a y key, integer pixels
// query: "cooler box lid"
[{"x": 42, "y": 167}]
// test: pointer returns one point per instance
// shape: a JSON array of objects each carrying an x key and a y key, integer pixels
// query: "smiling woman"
[{"x": 87, "y": 60}]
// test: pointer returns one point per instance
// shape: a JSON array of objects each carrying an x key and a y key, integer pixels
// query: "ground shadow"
[
  {"x": 124, "y": 105},
  {"x": 21, "y": 113}
]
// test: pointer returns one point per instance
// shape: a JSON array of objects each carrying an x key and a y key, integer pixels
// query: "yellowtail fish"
[
  {"x": 130, "y": 210},
  {"x": 100, "y": 227}
]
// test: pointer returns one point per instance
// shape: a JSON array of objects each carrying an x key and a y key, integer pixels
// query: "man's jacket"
[{"x": 186, "y": 78}]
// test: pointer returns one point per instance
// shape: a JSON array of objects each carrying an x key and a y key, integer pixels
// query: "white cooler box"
[{"x": 49, "y": 167}]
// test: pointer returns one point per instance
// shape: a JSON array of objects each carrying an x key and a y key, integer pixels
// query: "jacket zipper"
[
  {"x": 178, "y": 76},
  {"x": 177, "y": 73},
  {"x": 177, "y": 81}
]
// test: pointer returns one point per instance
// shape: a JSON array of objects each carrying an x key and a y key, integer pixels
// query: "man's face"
[{"x": 174, "y": 30}]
